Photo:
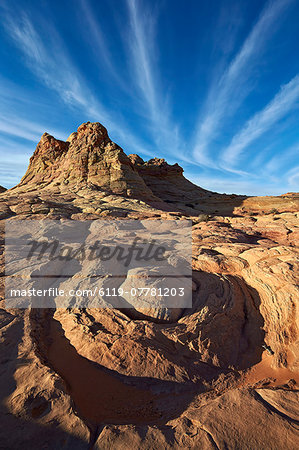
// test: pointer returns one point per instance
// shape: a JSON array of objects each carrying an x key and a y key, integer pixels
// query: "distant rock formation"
[
  {"x": 167, "y": 181},
  {"x": 89, "y": 171},
  {"x": 89, "y": 158},
  {"x": 2, "y": 189}
]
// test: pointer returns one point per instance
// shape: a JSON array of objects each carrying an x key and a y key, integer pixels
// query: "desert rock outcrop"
[
  {"x": 221, "y": 374},
  {"x": 88, "y": 158}
]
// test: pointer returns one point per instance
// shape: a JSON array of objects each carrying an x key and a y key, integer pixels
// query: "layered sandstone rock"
[
  {"x": 91, "y": 176},
  {"x": 221, "y": 374},
  {"x": 88, "y": 158},
  {"x": 166, "y": 181}
]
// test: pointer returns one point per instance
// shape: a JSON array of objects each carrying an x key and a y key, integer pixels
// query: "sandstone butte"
[{"x": 223, "y": 374}]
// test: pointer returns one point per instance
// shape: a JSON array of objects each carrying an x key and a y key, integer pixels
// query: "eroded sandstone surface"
[{"x": 222, "y": 374}]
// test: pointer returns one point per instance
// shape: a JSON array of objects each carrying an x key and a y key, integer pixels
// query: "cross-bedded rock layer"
[{"x": 222, "y": 374}]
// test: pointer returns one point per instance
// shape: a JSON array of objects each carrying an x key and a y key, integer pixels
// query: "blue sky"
[{"x": 213, "y": 85}]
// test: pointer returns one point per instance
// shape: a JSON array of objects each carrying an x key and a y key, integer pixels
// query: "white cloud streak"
[
  {"x": 99, "y": 45},
  {"x": 11, "y": 172},
  {"x": 143, "y": 51},
  {"x": 51, "y": 63},
  {"x": 47, "y": 58},
  {"x": 97, "y": 36},
  {"x": 276, "y": 163},
  {"x": 293, "y": 178},
  {"x": 262, "y": 121},
  {"x": 13, "y": 164},
  {"x": 142, "y": 48},
  {"x": 227, "y": 94},
  {"x": 31, "y": 131}
]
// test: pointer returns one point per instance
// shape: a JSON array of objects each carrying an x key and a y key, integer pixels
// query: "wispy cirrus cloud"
[
  {"x": 14, "y": 160},
  {"x": 232, "y": 87},
  {"x": 143, "y": 54},
  {"x": 142, "y": 49},
  {"x": 99, "y": 44},
  {"x": 111, "y": 62},
  {"x": 18, "y": 138},
  {"x": 293, "y": 178},
  {"x": 14, "y": 119},
  {"x": 12, "y": 171},
  {"x": 262, "y": 121},
  {"x": 276, "y": 163},
  {"x": 26, "y": 129},
  {"x": 49, "y": 61},
  {"x": 12, "y": 128}
]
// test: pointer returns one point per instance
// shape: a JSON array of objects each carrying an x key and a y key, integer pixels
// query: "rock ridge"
[{"x": 67, "y": 375}]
